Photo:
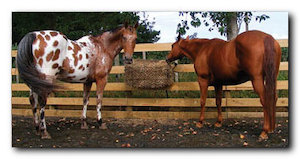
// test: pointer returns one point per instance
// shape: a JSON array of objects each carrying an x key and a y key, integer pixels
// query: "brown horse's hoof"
[
  {"x": 103, "y": 126},
  {"x": 270, "y": 131},
  {"x": 199, "y": 124},
  {"x": 45, "y": 135},
  {"x": 218, "y": 124},
  {"x": 263, "y": 136}
]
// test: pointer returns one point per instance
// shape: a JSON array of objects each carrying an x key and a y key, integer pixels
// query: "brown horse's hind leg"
[
  {"x": 86, "y": 94},
  {"x": 34, "y": 102},
  {"x": 101, "y": 82},
  {"x": 42, "y": 102},
  {"x": 203, "y": 89},
  {"x": 258, "y": 85},
  {"x": 218, "y": 92}
]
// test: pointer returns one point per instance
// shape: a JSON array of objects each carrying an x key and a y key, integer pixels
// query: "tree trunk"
[
  {"x": 232, "y": 27},
  {"x": 247, "y": 22}
]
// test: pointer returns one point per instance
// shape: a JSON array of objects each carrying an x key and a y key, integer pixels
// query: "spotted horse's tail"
[{"x": 27, "y": 70}]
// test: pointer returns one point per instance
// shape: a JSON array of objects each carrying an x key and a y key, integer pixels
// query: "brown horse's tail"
[
  {"x": 27, "y": 70},
  {"x": 270, "y": 72}
]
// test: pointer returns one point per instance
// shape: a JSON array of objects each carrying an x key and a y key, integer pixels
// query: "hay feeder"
[{"x": 149, "y": 74}]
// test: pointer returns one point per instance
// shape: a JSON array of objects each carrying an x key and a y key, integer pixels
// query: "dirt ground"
[{"x": 138, "y": 133}]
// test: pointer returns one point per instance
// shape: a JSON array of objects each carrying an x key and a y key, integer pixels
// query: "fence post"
[{"x": 144, "y": 55}]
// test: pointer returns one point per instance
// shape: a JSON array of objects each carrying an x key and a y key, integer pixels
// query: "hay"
[{"x": 149, "y": 74}]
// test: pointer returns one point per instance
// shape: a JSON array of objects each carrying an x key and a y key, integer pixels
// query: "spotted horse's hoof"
[
  {"x": 102, "y": 126},
  {"x": 45, "y": 135},
  {"x": 84, "y": 125}
]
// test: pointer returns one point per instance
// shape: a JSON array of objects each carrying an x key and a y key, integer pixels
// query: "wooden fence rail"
[{"x": 174, "y": 104}]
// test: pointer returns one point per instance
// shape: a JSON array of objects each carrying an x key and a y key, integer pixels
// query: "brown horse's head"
[
  {"x": 128, "y": 41},
  {"x": 177, "y": 52}
]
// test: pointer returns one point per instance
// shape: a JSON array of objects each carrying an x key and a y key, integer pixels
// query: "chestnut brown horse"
[
  {"x": 252, "y": 55},
  {"x": 44, "y": 56}
]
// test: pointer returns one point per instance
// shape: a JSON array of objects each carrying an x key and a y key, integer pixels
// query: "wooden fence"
[{"x": 183, "y": 108}]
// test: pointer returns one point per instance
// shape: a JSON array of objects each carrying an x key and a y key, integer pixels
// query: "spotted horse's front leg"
[{"x": 101, "y": 82}]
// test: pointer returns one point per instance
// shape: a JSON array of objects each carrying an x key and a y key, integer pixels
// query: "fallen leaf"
[
  {"x": 153, "y": 137},
  {"x": 216, "y": 134},
  {"x": 126, "y": 145},
  {"x": 279, "y": 131},
  {"x": 180, "y": 135},
  {"x": 279, "y": 125},
  {"x": 185, "y": 123},
  {"x": 194, "y": 132},
  {"x": 62, "y": 119},
  {"x": 131, "y": 134},
  {"x": 242, "y": 136}
]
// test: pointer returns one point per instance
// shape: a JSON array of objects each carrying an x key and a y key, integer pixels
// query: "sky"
[{"x": 166, "y": 22}]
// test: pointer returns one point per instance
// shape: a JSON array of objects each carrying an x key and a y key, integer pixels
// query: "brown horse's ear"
[
  {"x": 136, "y": 25},
  {"x": 126, "y": 24},
  {"x": 188, "y": 37}
]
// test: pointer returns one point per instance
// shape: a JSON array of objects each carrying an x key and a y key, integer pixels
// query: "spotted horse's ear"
[
  {"x": 126, "y": 24},
  {"x": 136, "y": 25}
]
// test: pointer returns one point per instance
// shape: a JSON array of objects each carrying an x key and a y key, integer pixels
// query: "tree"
[
  {"x": 77, "y": 24},
  {"x": 227, "y": 23}
]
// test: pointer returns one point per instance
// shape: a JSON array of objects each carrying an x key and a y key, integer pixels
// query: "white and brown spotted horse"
[{"x": 44, "y": 56}]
